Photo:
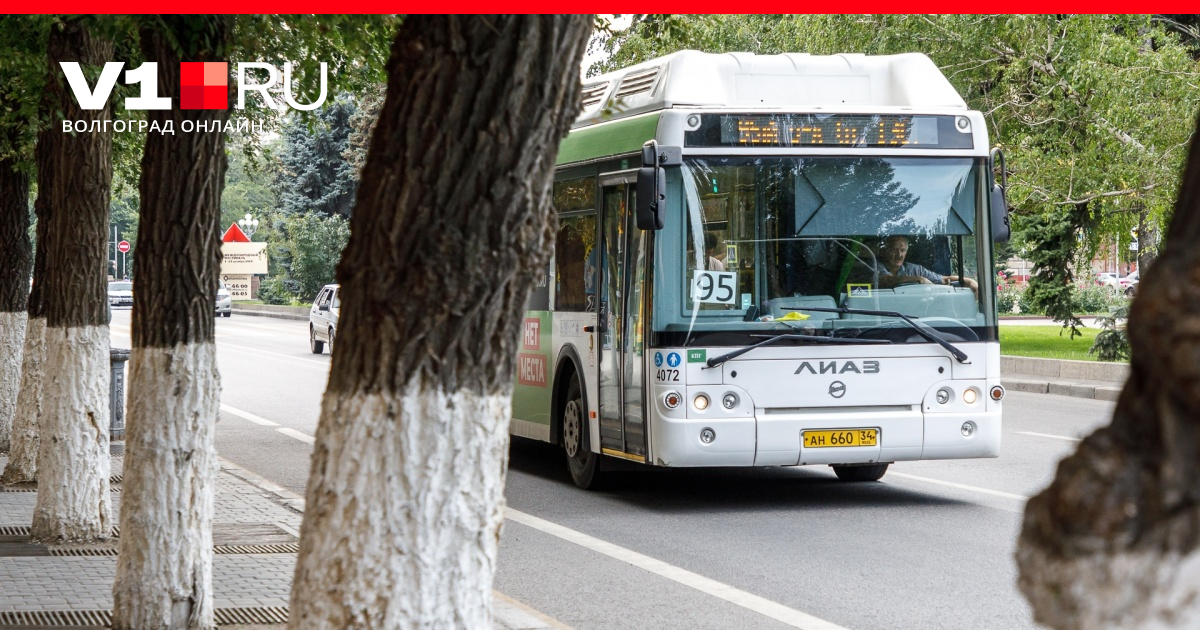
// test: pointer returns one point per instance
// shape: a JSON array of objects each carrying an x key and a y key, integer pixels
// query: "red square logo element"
[{"x": 204, "y": 85}]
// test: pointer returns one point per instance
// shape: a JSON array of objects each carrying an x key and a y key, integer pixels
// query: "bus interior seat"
[{"x": 780, "y": 306}]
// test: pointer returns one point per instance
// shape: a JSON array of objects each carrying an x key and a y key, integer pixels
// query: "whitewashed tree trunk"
[
  {"x": 451, "y": 228},
  {"x": 73, "y": 459},
  {"x": 411, "y": 505},
  {"x": 164, "y": 566},
  {"x": 12, "y": 336},
  {"x": 16, "y": 261},
  {"x": 74, "y": 175},
  {"x": 23, "y": 454}
]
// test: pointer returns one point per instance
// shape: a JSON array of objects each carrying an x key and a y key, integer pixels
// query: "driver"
[{"x": 893, "y": 271}]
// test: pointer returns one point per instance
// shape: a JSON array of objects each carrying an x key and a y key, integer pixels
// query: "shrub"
[
  {"x": 276, "y": 290},
  {"x": 1008, "y": 298},
  {"x": 1094, "y": 299},
  {"x": 1112, "y": 343}
]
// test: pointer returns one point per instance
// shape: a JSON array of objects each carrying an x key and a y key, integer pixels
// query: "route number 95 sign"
[{"x": 714, "y": 287}]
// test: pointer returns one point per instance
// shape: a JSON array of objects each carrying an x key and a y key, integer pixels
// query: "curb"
[
  {"x": 298, "y": 318},
  {"x": 1075, "y": 390}
]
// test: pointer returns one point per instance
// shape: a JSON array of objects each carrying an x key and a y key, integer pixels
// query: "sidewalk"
[{"x": 255, "y": 539}]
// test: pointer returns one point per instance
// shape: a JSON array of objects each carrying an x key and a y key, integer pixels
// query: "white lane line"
[
  {"x": 1047, "y": 435},
  {"x": 760, "y": 605},
  {"x": 292, "y": 433},
  {"x": 303, "y": 437},
  {"x": 246, "y": 415},
  {"x": 959, "y": 486}
]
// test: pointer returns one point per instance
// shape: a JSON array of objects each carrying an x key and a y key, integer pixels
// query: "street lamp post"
[{"x": 248, "y": 224}]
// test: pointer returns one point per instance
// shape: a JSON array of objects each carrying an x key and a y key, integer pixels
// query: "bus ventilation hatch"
[
  {"x": 593, "y": 94},
  {"x": 637, "y": 82}
]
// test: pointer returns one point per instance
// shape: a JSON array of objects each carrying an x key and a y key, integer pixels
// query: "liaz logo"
[
  {"x": 839, "y": 367},
  {"x": 202, "y": 85}
]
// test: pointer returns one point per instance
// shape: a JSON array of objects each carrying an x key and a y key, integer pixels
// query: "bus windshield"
[{"x": 767, "y": 238}]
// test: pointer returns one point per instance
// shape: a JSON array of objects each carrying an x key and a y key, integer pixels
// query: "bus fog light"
[
  {"x": 672, "y": 400},
  {"x": 707, "y": 435},
  {"x": 997, "y": 393},
  {"x": 970, "y": 396},
  {"x": 730, "y": 401},
  {"x": 943, "y": 396},
  {"x": 968, "y": 428},
  {"x": 701, "y": 402}
]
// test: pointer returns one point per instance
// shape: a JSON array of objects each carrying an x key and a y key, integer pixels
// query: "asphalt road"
[{"x": 930, "y": 546}]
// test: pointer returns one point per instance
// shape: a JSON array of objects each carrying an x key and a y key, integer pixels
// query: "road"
[{"x": 928, "y": 547}]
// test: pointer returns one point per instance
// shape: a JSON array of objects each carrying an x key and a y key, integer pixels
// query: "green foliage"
[
  {"x": 1112, "y": 343},
  {"x": 314, "y": 174},
  {"x": 1095, "y": 299},
  {"x": 247, "y": 189},
  {"x": 23, "y": 66},
  {"x": 1092, "y": 111},
  {"x": 304, "y": 250}
]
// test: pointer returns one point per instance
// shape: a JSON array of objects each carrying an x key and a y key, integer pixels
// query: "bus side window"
[{"x": 575, "y": 259}]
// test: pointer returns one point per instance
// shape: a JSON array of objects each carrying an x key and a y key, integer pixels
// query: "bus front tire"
[
  {"x": 582, "y": 462},
  {"x": 870, "y": 472}
]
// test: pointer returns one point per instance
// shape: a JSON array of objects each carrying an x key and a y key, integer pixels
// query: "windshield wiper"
[
  {"x": 715, "y": 361},
  {"x": 958, "y": 354}
]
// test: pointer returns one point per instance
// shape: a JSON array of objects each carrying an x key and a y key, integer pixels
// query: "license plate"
[{"x": 840, "y": 438}]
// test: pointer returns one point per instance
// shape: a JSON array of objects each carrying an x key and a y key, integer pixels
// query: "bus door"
[{"x": 621, "y": 321}]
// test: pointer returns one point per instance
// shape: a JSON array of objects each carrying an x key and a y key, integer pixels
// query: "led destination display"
[{"x": 831, "y": 130}]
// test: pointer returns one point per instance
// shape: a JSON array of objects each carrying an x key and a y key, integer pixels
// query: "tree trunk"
[
  {"x": 1115, "y": 540},
  {"x": 453, "y": 220},
  {"x": 164, "y": 565},
  {"x": 16, "y": 259},
  {"x": 23, "y": 454},
  {"x": 73, "y": 457}
]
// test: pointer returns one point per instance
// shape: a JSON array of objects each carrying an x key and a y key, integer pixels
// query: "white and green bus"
[{"x": 769, "y": 261}]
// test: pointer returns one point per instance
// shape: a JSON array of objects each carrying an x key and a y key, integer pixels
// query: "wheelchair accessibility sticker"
[{"x": 657, "y": 359}]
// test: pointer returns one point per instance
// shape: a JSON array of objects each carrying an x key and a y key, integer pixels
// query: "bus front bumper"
[{"x": 774, "y": 438}]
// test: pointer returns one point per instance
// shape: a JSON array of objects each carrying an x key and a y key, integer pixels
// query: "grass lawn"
[{"x": 1046, "y": 343}]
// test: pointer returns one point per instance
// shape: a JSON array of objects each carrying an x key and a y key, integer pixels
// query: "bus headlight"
[
  {"x": 700, "y": 402},
  {"x": 672, "y": 400},
  {"x": 970, "y": 396},
  {"x": 968, "y": 429},
  {"x": 943, "y": 396},
  {"x": 730, "y": 400}
]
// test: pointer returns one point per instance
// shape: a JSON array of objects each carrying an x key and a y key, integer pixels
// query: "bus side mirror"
[
  {"x": 651, "y": 189},
  {"x": 1001, "y": 226},
  {"x": 651, "y": 195}
]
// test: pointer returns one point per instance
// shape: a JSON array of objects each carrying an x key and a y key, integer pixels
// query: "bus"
[{"x": 769, "y": 260}]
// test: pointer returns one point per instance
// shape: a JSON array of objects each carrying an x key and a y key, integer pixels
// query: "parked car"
[
  {"x": 120, "y": 293},
  {"x": 1111, "y": 280},
  {"x": 224, "y": 301},
  {"x": 1132, "y": 282},
  {"x": 323, "y": 319}
]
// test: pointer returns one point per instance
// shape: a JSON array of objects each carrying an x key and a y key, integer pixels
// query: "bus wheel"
[
  {"x": 583, "y": 463},
  {"x": 870, "y": 472}
]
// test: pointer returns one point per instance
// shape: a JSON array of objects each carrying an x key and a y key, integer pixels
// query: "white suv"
[{"x": 323, "y": 319}]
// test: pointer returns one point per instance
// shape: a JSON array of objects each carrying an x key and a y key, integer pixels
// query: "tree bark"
[
  {"x": 453, "y": 220},
  {"x": 23, "y": 453},
  {"x": 1115, "y": 540},
  {"x": 16, "y": 259},
  {"x": 73, "y": 457},
  {"x": 164, "y": 564}
]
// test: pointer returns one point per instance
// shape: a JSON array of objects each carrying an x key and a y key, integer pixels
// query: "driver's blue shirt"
[{"x": 910, "y": 269}]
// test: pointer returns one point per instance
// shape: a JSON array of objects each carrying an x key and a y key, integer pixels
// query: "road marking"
[
  {"x": 760, "y": 605},
  {"x": 959, "y": 486},
  {"x": 303, "y": 437},
  {"x": 246, "y": 415},
  {"x": 292, "y": 433},
  {"x": 1047, "y": 435}
]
